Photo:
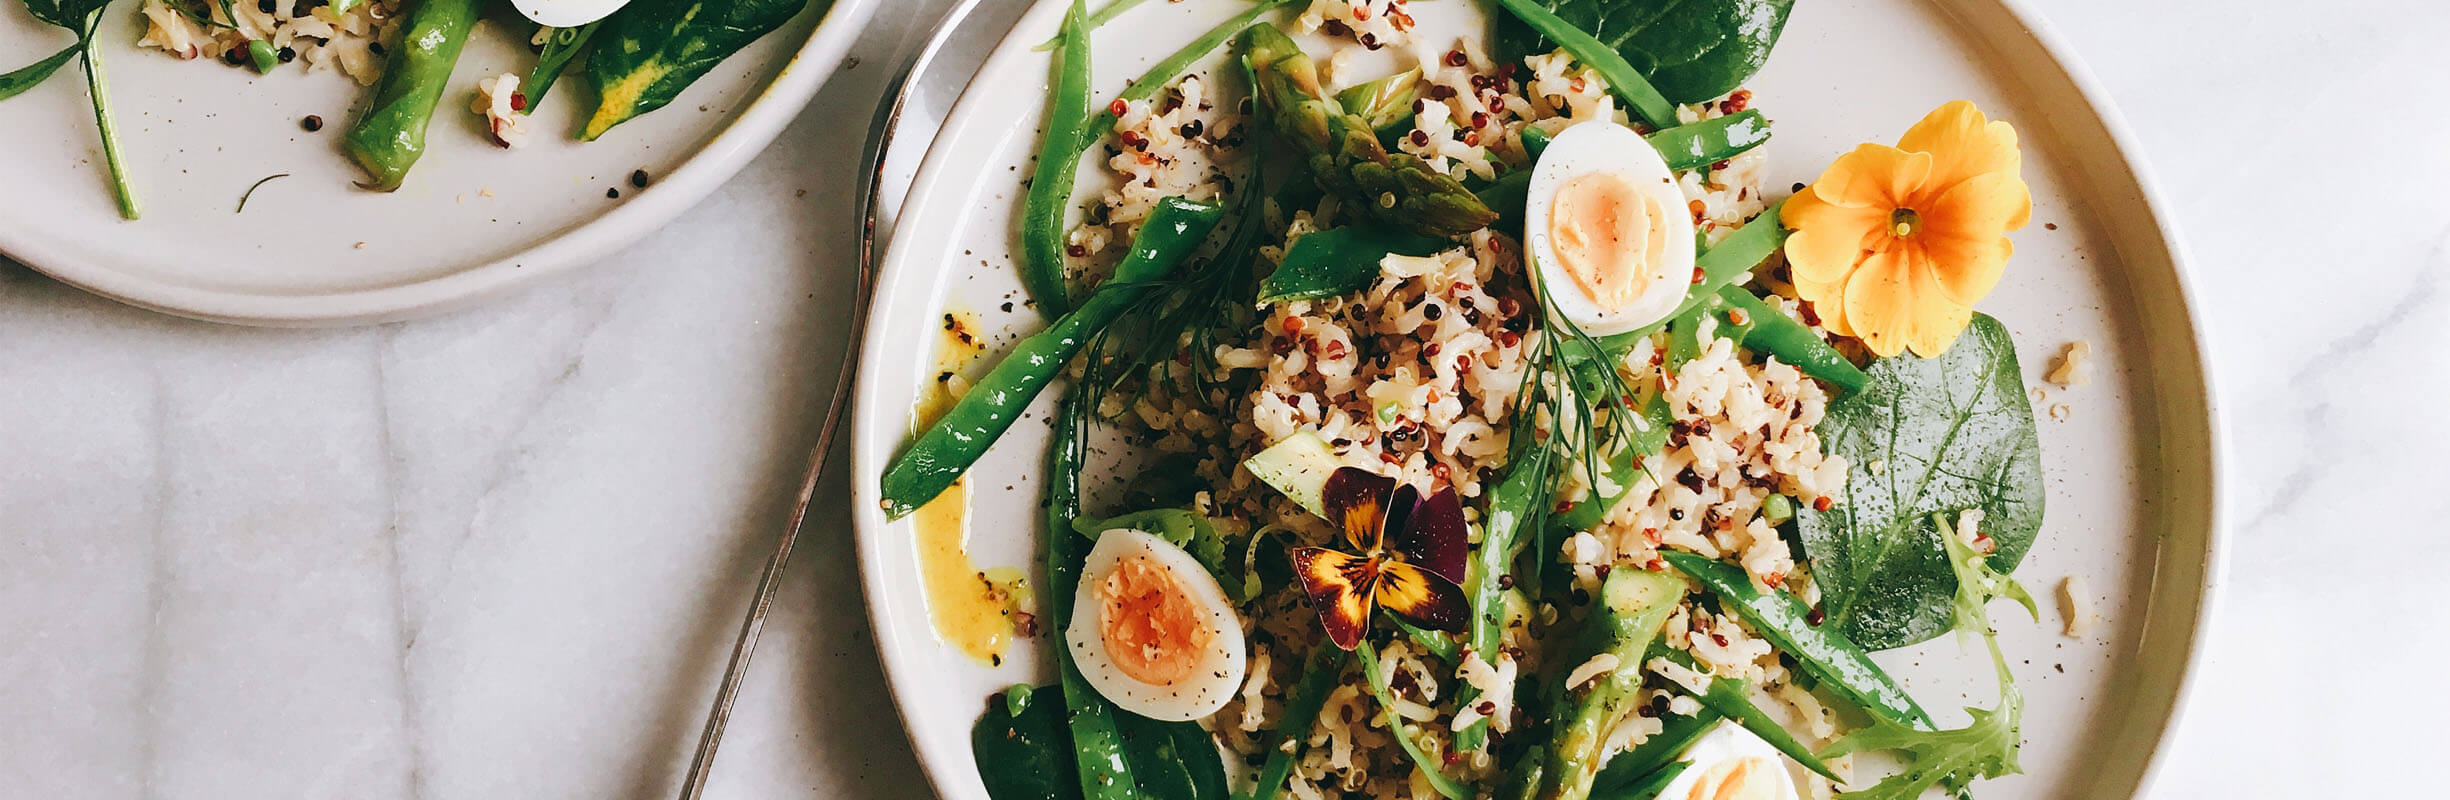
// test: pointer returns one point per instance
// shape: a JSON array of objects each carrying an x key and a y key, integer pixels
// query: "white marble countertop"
[{"x": 502, "y": 553}]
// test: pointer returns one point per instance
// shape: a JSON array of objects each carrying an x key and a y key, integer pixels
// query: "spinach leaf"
[
  {"x": 1022, "y": 748},
  {"x": 652, "y": 49},
  {"x": 1175, "y": 760},
  {"x": 1923, "y": 437},
  {"x": 1691, "y": 50}
]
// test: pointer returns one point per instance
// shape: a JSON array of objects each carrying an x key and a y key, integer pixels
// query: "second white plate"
[{"x": 472, "y": 221}]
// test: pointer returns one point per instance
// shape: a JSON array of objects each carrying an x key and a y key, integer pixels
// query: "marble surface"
[{"x": 501, "y": 553}]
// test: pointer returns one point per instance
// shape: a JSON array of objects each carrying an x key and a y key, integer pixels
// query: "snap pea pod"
[
  {"x": 1662, "y": 749},
  {"x": 1780, "y": 335},
  {"x": 1632, "y": 606},
  {"x": 1701, "y": 144},
  {"x": 1684, "y": 334},
  {"x": 1622, "y": 468},
  {"x": 1509, "y": 507},
  {"x": 561, "y": 46},
  {"x": 1097, "y": 744},
  {"x": 1438, "y": 644},
  {"x": 1730, "y": 697},
  {"x": 1428, "y": 766},
  {"x": 1622, "y": 79},
  {"x": 1163, "y": 73},
  {"x": 1301, "y": 712},
  {"x": 1340, "y": 261},
  {"x": 1050, "y": 182},
  {"x": 956, "y": 440},
  {"x": 389, "y": 138},
  {"x": 1824, "y": 653}
]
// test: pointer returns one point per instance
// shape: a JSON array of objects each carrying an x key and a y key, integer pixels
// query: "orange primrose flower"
[{"x": 1894, "y": 245}]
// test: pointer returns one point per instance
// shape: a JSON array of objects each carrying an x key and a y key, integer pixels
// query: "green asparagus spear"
[
  {"x": 1633, "y": 605},
  {"x": 1343, "y": 153},
  {"x": 389, "y": 138}
]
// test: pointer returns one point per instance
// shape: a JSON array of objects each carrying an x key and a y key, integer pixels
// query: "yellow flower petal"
[
  {"x": 1962, "y": 143},
  {"x": 1894, "y": 303},
  {"x": 1873, "y": 176},
  {"x": 1964, "y": 234},
  {"x": 1828, "y": 239}
]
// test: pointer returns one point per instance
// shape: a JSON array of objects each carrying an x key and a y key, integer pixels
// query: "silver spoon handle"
[{"x": 888, "y": 114}]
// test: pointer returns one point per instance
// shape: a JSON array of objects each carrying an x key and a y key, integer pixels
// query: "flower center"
[{"x": 1904, "y": 222}]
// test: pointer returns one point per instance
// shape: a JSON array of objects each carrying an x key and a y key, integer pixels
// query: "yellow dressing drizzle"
[{"x": 972, "y": 607}]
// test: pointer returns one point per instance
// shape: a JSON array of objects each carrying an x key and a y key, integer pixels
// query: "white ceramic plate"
[
  {"x": 2131, "y": 460},
  {"x": 473, "y": 220}
]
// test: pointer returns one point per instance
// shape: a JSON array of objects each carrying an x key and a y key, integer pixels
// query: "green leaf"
[
  {"x": 1022, "y": 749},
  {"x": 649, "y": 51},
  {"x": 1924, "y": 436},
  {"x": 1986, "y": 747},
  {"x": 1691, "y": 50},
  {"x": 17, "y": 82},
  {"x": 70, "y": 14},
  {"x": 1175, "y": 760}
]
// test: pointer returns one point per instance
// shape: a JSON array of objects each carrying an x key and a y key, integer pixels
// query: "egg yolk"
[
  {"x": 1606, "y": 232},
  {"x": 1152, "y": 629},
  {"x": 1739, "y": 779}
]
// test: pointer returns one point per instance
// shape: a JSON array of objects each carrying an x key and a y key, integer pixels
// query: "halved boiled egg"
[
  {"x": 1609, "y": 230},
  {"x": 1730, "y": 763},
  {"x": 1152, "y": 631}
]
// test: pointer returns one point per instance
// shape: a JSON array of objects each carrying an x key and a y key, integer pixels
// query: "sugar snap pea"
[
  {"x": 1780, "y": 335},
  {"x": 1676, "y": 732},
  {"x": 1730, "y": 697},
  {"x": 389, "y": 138},
  {"x": 1710, "y": 141},
  {"x": 1823, "y": 652},
  {"x": 1097, "y": 744},
  {"x": 956, "y": 440},
  {"x": 1622, "y": 79},
  {"x": 1632, "y": 605},
  {"x": 1380, "y": 689},
  {"x": 1050, "y": 182}
]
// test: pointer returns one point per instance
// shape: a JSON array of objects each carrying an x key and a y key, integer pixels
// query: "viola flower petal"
[
  {"x": 1436, "y": 537},
  {"x": 1400, "y": 507},
  {"x": 1342, "y": 588},
  {"x": 1356, "y": 501},
  {"x": 1421, "y": 597}
]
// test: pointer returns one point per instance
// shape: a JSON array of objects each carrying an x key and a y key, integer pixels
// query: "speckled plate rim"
[
  {"x": 742, "y": 139},
  {"x": 2188, "y": 577}
]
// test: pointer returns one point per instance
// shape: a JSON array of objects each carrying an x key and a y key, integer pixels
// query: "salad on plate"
[{"x": 1485, "y": 427}]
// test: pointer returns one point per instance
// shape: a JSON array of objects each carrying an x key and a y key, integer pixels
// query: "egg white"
[
  {"x": 1729, "y": 742},
  {"x": 1220, "y": 667},
  {"x": 1602, "y": 148},
  {"x": 567, "y": 13}
]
